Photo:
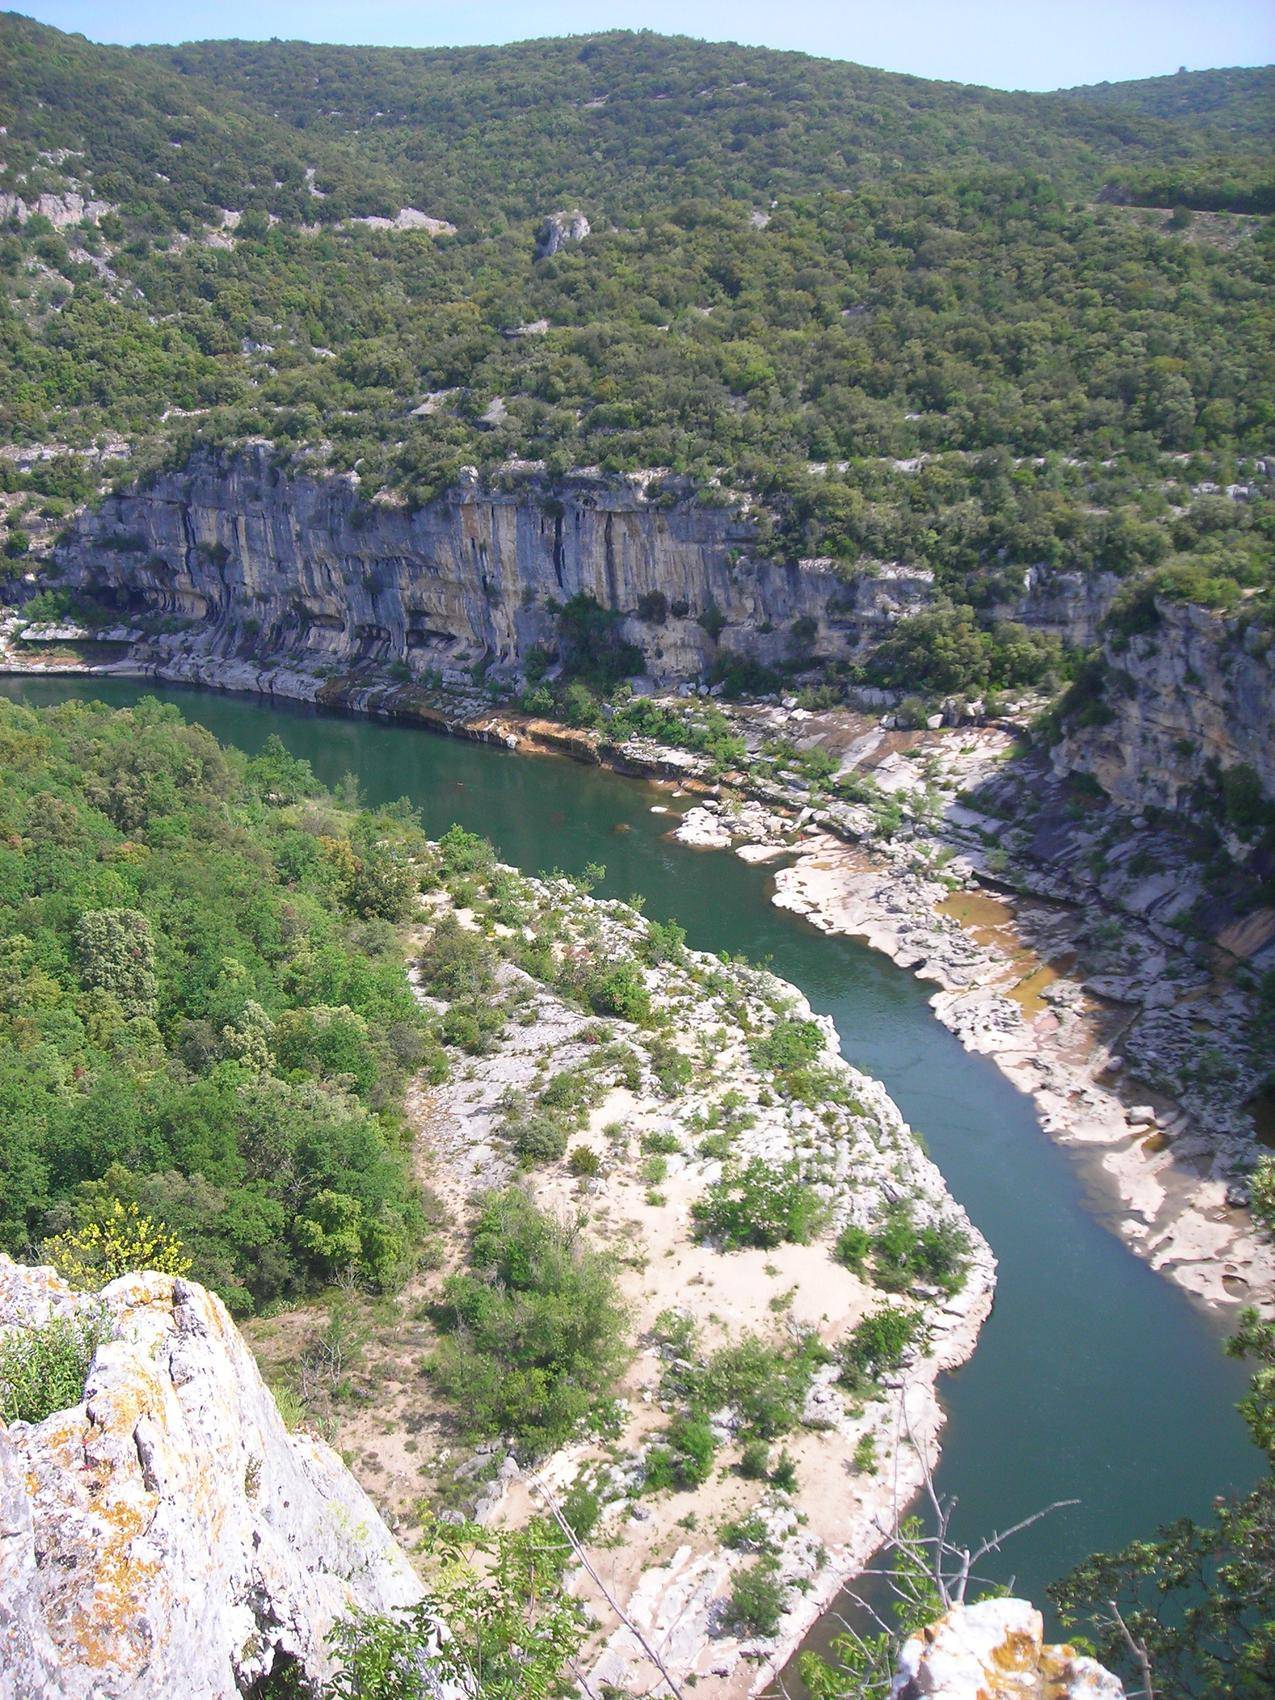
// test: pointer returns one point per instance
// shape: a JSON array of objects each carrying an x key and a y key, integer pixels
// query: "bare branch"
[
  {"x": 583, "y": 1558},
  {"x": 1139, "y": 1651}
]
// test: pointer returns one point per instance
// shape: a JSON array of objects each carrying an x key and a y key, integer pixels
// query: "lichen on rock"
[
  {"x": 168, "y": 1535},
  {"x": 996, "y": 1650}
]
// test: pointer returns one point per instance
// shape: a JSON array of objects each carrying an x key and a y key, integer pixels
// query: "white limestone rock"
[
  {"x": 168, "y": 1535},
  {"x": 996, "y": 1651},
  {"x": 559, "y": 229}
]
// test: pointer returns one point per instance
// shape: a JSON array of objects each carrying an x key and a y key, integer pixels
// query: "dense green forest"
[
  {"x": 205, "y": 1011},
  {"x": 909, "y": 320}
]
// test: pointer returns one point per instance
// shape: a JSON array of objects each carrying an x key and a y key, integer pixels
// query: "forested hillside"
[{"x": 799, "y": 276}]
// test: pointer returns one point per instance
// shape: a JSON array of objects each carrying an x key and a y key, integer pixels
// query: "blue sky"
[{"x": 1035, "y": 44}]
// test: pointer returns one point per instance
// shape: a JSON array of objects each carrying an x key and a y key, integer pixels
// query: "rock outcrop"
[
  {"x": 1184, "y": 701},
  {"x": 274, "y": 567},
  {"x": 559, "y": 229},
  {"x": 996, "y": 1650},
  {"x": 62, "y": 211},
  {"x": 168, "y": 1535}
]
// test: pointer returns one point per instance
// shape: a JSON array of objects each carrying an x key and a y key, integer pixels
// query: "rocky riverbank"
[{"x": 1139, "y": 1044}]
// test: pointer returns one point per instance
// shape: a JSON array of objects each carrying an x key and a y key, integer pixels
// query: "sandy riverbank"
[{"x": 1059, "y": 1049}]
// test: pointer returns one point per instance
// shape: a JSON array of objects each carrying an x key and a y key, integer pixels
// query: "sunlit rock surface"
[
  {"x": 168, "y": 1535},
  {"x": 996, "y": 1651}
]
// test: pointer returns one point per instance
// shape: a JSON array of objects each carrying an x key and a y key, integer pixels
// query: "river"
[{"x": 1094, "y": 1379}]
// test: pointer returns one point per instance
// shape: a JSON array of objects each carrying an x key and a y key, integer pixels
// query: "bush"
[
  {"x": 852, "y": 1246},
  {"x": 619, "y": 990},
  {"x": 114, "y": 1243},
  {"x": 904, "y": 1253},
  {"x": 765, "y": 1383},
  {"x": 877, "y": 1345},
  {"x": 584, "y": 1161},
  {"x": 43, "y": 1369},
  {"x": 759, "y": 1205},
  {"x": 591, "y": 646},
  {"x": 533, "y": 1329},
  {"x": 652, "y": 607},
  {"x": 685, "y": 1460},
  {"x": 538, "y": 1138},
  {"x": 754, "y": 1461},
  {"x": 784, "y": 1474},
  {"x": 757, "y": 1598},
  {"x": 789, "y": 1045}
]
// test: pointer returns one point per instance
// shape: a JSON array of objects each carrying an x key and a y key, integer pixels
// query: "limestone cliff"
[
  {"x": 269, "y": 565},
  {"x": 1181, "y": 703},
  {"x": 168, "y": 1535}
]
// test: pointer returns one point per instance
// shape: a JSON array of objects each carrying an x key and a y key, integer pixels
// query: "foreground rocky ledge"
[
  {"x": 996, "y": 1650},
  {"x": 168, "y": 1535}
]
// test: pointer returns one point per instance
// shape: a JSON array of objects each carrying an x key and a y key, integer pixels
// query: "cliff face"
[
  {"x": 1070, "y": 606},
  {"x": 168, "y": 1535},
  {"x": 273, "y": 565},
  {"x": 1193, "y": 695}
]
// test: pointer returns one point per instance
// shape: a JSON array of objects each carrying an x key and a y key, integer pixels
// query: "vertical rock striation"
[
  {"x": 266, "y": 564},
  {"x": 1181, "y": 703}
]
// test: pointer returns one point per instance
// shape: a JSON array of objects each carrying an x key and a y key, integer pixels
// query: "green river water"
[{"x": 1094, "y": 1379}]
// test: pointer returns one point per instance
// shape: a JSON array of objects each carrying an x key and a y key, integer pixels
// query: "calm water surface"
[{"x": 1094, "y": 1378}]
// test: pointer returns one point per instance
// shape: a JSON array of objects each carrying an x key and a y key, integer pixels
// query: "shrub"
[
  {"x": 533, "y": 1329},
  {"x": 43, "y": 1369},
  {"x": 686, "y": 1458},
  {"x": 114, "y": 1243},
  {"x": 619, "y": 990},
  {"x": 538, "y": 1138},
  {"x": 754, "y": 1461},
  {"x": 789, "y": 1045},
  {"x": 758, "y": 1205},
  {"x": 462, "y": 852},
  {"x": 590, "y": 643},
  {"x": 877, "y": 1345},
  {"x": 852, "y": 1246},
  {"x": 756, "y": 1602},
  {"x": 784, "y": 1474},
  {"x": 652, "y": 607},
  {"x": 584, "y": 1161},
  {"x": 765, "y": 1383},
  {"x": 748, "y": 1534},
  {"x": 904, "y": 1253}
]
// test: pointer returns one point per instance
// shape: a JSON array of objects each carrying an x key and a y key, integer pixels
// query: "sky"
[{"x": 1024, "y": 44}]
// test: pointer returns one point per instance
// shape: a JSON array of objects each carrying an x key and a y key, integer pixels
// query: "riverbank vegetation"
[{"x": 206, "y": 1015}]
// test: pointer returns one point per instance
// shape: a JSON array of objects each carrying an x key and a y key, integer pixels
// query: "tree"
[
  {"x": 117, "y": 951},
  {"x": 512, "y": 1630}
]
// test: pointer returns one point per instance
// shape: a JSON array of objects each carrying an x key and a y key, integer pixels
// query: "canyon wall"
[
  {"x": 269, "y": 565},
  {"x": 1179, "y": 704}
]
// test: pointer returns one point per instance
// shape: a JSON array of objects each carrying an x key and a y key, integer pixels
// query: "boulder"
[
  {"x": 996, "y": 1650},
  {"x": 559, "y": 229}
]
